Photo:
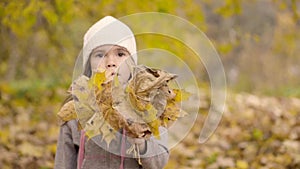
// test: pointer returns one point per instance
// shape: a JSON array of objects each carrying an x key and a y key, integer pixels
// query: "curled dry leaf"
[
  {"x": 148, "y": 95},
  {"x": 67, "y": 112}
]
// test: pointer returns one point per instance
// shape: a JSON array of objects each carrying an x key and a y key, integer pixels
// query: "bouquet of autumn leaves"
[{"x": 140, "y": 107}]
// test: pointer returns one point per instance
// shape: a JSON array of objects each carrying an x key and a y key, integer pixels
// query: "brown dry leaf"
[
  {"x": 108, "y": 133},
  {"x": 140, "y": 109},
  {"x": 67, "y": 112},
  {"x": 172, "y": 113},
  {"x": 121, "y": 104},
  {"x": 84, "y": 99},
  {"x": 148, "y": 92},
  {"x": 93, "y": 125},
  {"x": 146, "y": 79},
  {"x": 91, "y": 98},
  {"x": 144, "y": 83},
  {"x": 127, "y": 116},
  {"x": 97, "y": 125},
  {"x": 149, "y": 96},
  {"x": 159, "y": 102}
]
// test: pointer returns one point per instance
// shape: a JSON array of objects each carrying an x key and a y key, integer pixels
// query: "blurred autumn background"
[{"x": 259, "y": 45}]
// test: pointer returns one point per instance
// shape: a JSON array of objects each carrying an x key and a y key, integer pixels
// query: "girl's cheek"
[
  {"x": 99, "y": 66},
  {"x": 121, "y": 60}
]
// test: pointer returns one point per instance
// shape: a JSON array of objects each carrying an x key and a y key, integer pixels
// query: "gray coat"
[{"x": 95, "y": 157}]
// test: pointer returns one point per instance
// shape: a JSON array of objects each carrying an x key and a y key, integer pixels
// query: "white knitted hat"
[{"x": 108, "y": 30}]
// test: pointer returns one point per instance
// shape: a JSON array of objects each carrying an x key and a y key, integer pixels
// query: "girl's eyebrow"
[
  {"x": 99, "y": 51},
  {"x": 122, "y": 49}
]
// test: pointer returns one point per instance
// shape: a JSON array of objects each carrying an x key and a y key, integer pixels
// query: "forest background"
[{"x": 258, "y": 42}]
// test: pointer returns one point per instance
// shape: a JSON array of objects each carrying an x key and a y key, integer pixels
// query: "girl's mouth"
[{"x": 114, "y": 73}]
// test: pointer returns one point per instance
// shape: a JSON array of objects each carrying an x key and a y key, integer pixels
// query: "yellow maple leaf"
[
  {"x": 108, "y": 133},
  {"x": 172, "y": 113},
  {"x": 154, "y": 127},
  {"x": 97, "y": 79},
  {"x": 150, "y": 114},
  {"x": 91, "y": 133},
  {"x": 134, "y": 100},
  {"x": 93, "y": 124},
  {"x": 181, "y": 95},
  {"x": 116, "y": 81}
]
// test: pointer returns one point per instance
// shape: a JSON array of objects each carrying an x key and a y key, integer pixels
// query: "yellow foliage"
[
  {"x": 181, "y": 95},
  {"x": 154, "y": 127},
  {"x": 52, "y": 148},
  {"x": 240, "y": 164},
  {"x": 134, "y": 109},
  {"x": 97, "y": 79},
  {"x": 135, "y": 101},
  {"x": 27, "y": 148},
  {"x": 4, "y": 136}
]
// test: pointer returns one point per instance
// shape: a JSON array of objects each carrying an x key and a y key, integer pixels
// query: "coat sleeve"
[
  {"x": 156, "y": 154},
  {"x": 67, "y": 146}
]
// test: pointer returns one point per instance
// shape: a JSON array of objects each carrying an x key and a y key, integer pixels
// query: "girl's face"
[{"x": 108, "y": 58}]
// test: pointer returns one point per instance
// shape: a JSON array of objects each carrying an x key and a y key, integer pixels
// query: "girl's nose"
[
  {"x": 111, "y": 65},
  {"x": 110, "y": 62}
]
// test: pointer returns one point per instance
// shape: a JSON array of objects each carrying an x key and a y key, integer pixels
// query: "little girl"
[{"x": 106, "y": 45}]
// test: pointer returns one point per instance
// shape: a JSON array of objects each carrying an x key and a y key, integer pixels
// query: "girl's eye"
[
  {"x": 120, "y": 54},
  {"x": 100, "y": 55}
]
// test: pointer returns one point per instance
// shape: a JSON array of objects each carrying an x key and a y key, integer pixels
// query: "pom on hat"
[{"x": 108, "y": 30}]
